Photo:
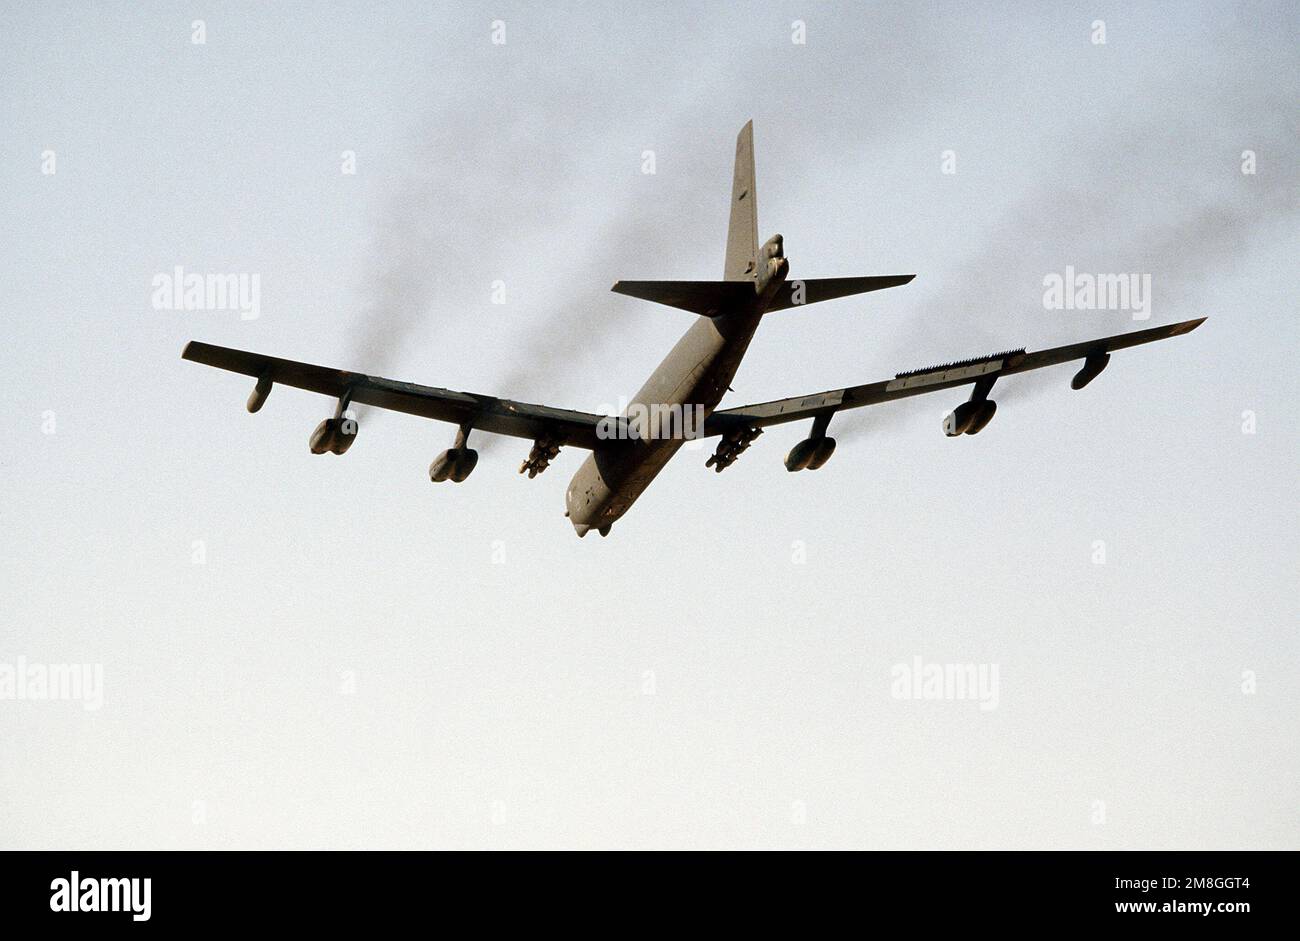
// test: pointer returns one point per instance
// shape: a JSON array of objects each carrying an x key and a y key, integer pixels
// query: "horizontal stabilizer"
[
  {"x": 827, "y": 289},
  {"x": 709, "y": 298}
]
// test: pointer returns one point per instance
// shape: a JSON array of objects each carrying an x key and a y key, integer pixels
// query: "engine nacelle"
[
  {"x": 825, "y": 448},
  {"x": 333, "y": 435},
  {"x": 985, "y": 415},
  {"x": 960, "y": 418},
  {"x": 454, "y": 464},
  {"x": 1092, "y": 367},
  {"x": 969, "y": 418},
  {"x": 809, "y": 454}
]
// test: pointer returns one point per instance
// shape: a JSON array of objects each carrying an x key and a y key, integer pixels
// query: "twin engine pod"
[
  {"x": 454, "y": 464},
  {"x": 969, "y": 418},
  {"x": 809, "y": 454},
  {"x": 333, "y": 435}
]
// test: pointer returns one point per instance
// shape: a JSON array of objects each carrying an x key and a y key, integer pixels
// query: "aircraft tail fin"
[
  {"x": 740, "y": 276},
  {"x": 742, "y": 230}
]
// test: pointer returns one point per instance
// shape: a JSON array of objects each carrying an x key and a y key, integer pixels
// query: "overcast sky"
[{"x": 314, "y": 651}]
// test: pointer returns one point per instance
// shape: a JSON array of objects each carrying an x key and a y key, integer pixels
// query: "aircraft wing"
[
  {"x": 935, "y": 378},
  {"x": 484, "y": 412}
]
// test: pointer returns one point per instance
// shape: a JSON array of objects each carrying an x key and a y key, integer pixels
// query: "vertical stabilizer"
[{"x": 742, "y": 231}]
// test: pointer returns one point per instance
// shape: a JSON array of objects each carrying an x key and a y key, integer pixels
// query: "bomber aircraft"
[{"x": 679, "y": 401}]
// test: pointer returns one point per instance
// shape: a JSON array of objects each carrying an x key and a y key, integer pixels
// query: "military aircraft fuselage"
[{"x": 696, "y": 372}]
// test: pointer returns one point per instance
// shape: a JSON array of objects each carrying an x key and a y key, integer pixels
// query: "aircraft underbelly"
[{"x": 696, "y": 373}]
